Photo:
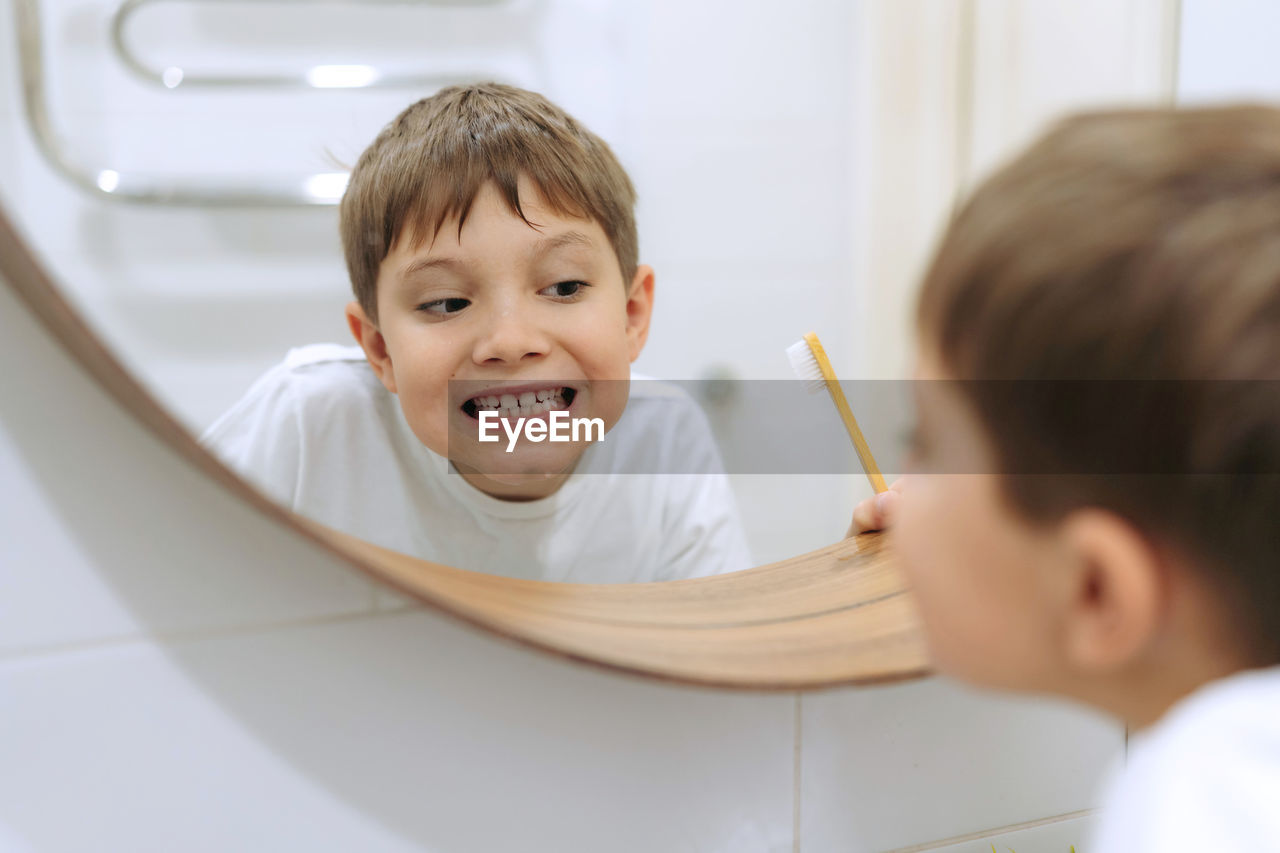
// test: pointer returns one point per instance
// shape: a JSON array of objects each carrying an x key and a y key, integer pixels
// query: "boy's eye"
[
  {"x": 565, "y": 289},
  {"x": 444, "y": 306}
]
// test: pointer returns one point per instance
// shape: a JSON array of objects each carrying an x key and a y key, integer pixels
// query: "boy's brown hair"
[
  {"x": 427, "y": 165},
  {"x": 1132, "y": 246}
]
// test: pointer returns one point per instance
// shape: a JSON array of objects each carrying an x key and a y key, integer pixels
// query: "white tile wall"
[
  {"x": 84, "y": 553},
  {"x": 907, "y": 764},
  {"x": 397, "y": 732},
  {"x": 1070, "y": 835}
]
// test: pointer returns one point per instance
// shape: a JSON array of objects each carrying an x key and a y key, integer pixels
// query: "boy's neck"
[
  {"x": 1142, "y": 700},
  {"x": 532, "y": 488},
  {"x": 1199, "y": 643}
]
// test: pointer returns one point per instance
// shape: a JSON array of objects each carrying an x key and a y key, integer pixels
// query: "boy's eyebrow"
[
  {"x": 429, "y": 263},
  {"x": 550, "y": 244},
  {"x": 543, "y": 247}
]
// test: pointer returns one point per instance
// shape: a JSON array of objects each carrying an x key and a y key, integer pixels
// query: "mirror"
[{"x": 746, "y": 172}]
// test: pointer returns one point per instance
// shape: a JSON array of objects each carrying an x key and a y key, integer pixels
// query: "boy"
[
  {"x": 491, "y": 245},
  {"x": 1124, "y": 548}
]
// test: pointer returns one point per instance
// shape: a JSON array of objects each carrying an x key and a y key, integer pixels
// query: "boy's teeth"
[{"x": 525, "y": 404}]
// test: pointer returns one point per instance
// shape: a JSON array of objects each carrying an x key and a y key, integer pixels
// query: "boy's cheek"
[
  {"x": 607, "y": 401},
  {"x": 932, "y": 563},
  {"x": 916, "y": 529}
]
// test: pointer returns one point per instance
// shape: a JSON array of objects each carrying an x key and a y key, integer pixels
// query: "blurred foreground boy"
[{"x": 1116, "y": 540}]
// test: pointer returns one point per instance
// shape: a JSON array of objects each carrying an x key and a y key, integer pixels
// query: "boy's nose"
[{"x": 510, "y": 337}]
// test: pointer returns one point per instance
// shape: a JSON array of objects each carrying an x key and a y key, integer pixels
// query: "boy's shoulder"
[
  {"x": 310, "y": 355},
  {"x": 663, "y": 408},
  {"x": 316, "y": 383},
  {"x": 1206, "y": 776},
  {"x": 660, "y": 395},
  {"x": 319, "y": 374},
  {"x": 662, "y": 431}
]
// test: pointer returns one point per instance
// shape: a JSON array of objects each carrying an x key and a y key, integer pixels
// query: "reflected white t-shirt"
[
  {"x": 321, "y": 435},
  {"x": 1206, "y": 777}
]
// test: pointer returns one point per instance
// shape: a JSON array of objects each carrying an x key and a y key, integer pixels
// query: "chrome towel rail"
[
  {"x": 321, "y": 77},
  {"x": 300, "y": 190}
]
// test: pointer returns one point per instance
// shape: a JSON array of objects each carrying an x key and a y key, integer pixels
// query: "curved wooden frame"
[{"x": 836, "y": 616}]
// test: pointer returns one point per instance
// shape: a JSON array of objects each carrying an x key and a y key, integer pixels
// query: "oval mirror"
[
  {"x": 201, "y": 244},
  {"x": 838, "y": 615}
]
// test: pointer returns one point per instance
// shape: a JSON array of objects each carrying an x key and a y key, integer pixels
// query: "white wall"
[{"x": 1228, "y": 51}]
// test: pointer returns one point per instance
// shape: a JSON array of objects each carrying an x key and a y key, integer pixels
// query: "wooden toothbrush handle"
[{"x": 869, "y": 466}]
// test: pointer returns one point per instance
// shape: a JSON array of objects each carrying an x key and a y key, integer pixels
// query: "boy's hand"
[{"x": 876, "y": 513}]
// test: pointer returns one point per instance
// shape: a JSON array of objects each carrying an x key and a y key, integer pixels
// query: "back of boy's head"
[
  {"x": 1132, "y": 246},
  {"x": 429, "y": 163}
]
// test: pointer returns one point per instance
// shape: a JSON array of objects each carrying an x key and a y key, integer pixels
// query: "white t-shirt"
[
  {"x": 321, "y": 435},
  {"x": 1206, "y": 777}
]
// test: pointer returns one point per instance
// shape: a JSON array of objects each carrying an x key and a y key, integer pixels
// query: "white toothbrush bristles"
[{"x": 805, "y": 364}]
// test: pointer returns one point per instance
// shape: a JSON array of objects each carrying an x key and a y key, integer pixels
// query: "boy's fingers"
[
  {"x": 887, "y": 504},
  {"x": 865, "y": 517},
  {"x": 875, "y": 513}
]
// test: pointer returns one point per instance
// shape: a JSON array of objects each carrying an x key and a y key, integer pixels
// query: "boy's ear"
[
  {"x": 1114, "y": 590},
  {"x": 374, "y": 345},
  {"x": 639, "y": 309}
]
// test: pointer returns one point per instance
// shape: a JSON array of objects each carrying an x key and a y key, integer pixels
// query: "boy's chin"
[{"x": 522, "y": 466}]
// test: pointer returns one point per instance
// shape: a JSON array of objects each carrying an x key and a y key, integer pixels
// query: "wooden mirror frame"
[{"x": 836, "y": 616}]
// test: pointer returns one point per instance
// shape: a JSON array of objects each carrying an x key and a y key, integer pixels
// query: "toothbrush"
[{"x": 809, "y": 361}]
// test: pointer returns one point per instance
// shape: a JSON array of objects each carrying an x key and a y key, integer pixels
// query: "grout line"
[
  {"x": 177, "y": 636},
  {"x": 795, "y": 773},
  {"x": 999, "y": 830}
]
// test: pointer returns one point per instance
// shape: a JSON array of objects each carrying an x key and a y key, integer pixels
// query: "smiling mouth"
[{"x": 524, "y": 405}]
